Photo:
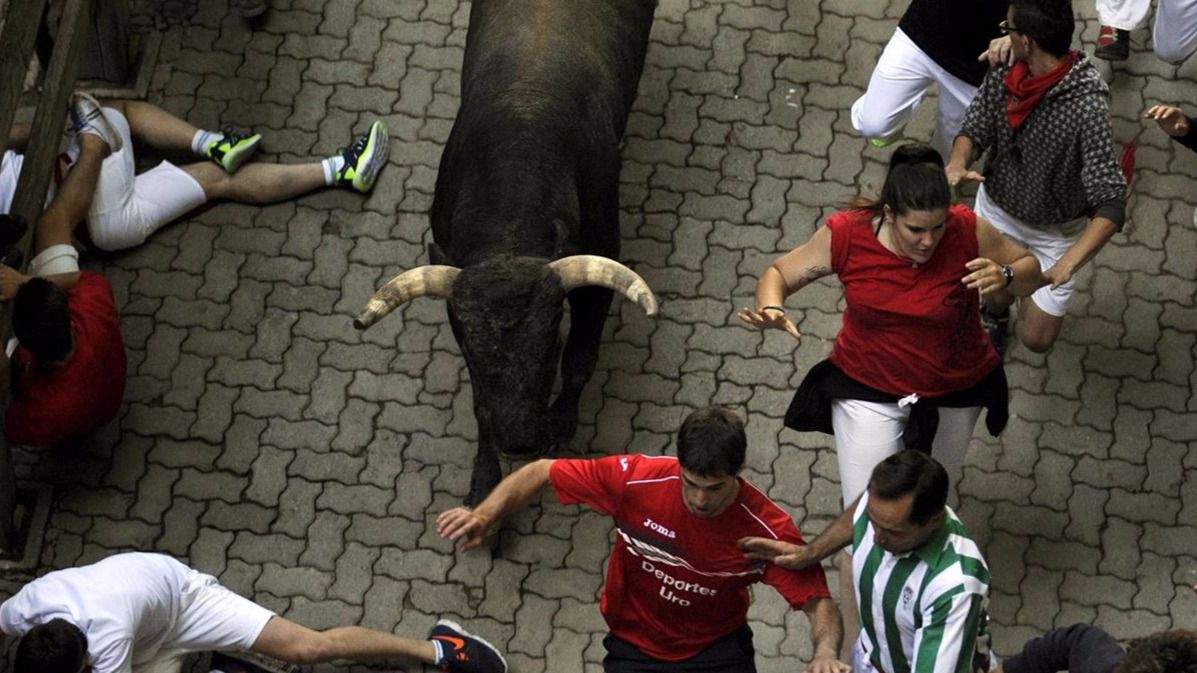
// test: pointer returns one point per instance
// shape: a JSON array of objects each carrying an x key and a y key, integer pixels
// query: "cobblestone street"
[{"x": 266, "y": 441}]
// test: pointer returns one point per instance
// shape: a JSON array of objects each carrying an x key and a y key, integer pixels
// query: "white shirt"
[
  {"x": 10, "y": 170},
  {"x": 126, "y": 604}
]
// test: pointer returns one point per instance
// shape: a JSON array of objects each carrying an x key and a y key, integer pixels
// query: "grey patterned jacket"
[{"x": 1061, "y": 164}]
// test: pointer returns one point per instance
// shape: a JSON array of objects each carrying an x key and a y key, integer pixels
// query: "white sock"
[
  {"x": 440, "y": 652},
  {"x": 332, "y": 166},
  {"x": 201, "y": 140}
]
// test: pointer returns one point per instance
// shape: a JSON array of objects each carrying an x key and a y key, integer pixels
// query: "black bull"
[{"x": 526, "y": 213}]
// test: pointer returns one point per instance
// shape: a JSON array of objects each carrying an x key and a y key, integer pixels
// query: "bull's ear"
[{"x": 438, "y": 256}]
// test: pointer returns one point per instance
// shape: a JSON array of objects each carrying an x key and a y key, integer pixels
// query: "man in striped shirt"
[{"x": 921, "y": 583}]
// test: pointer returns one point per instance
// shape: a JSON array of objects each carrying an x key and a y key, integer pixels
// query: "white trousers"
[
  {"x": 867, "y": 433},
  {"x": 1175, "y": 31},
  {"x": 901, "y": 79}
]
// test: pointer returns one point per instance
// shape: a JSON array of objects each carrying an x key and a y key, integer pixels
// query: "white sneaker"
[{"x": 87, "y": 116}]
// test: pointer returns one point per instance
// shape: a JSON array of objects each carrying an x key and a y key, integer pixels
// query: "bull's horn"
[
  {"x": 578, "y": 270},
  {"x": 432, "y": 280}
]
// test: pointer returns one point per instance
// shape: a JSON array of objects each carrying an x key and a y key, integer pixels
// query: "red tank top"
[{"x": 909, "y": 329}]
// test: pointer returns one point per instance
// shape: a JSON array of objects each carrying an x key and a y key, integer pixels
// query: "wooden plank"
[
  {"x": 16, "y": 49},
  {"x": 31, "y": 189},
  {"x": 108, "y": 45}
]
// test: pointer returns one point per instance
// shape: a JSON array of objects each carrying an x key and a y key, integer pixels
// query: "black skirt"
[{"x": 810, "y": 410}]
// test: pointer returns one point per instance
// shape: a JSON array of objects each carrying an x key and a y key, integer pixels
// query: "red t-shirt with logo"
[
  {"x": 59, "y": 402},
  {"x": 909, "y": 329},
  {"x": 676, "y": 582}
]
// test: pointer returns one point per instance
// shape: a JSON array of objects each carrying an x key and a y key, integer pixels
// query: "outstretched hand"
[
  {"x": 828, "y": 665},
  {"x": 782, "y": 554},
  {"x": 770, "y": 318},
  {"x": 1171, "y": 119},
  {"x": 959, "y": 174},
  {"x": 462, "y": 522}
]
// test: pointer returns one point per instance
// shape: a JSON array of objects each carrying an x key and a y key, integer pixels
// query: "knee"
[
  {"x": 875, "y": 126},
  {"x": 1171, "y": 55},
  {"x": 1037, "y": 343}
]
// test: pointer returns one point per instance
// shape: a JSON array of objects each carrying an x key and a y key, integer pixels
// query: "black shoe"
[
  {"x": 1113, "y": 44},
  {"x": 996, "y": 326},
  {"x": 463, "y": 652}
]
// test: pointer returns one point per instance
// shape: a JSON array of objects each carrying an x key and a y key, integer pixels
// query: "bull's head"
[{"x": 506, "y": 313}]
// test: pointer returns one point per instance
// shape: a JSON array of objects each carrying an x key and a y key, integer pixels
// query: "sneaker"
[
  {"x": 1113, "y": 44},
  {"x": 87, "y": 116},
  {"x": 881, "y": 143},
  {"x": 233, "y": 149},
  {"x": 364, "y": 158},
  {"x": 996, "y": 326},
  {"x": 463, "y": 652}
]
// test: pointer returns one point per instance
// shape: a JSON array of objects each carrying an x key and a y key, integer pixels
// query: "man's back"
[{"x": 126, "y": 605}]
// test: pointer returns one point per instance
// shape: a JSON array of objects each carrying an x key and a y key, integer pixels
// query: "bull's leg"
[
  {"x": 588, "y": 311},
  {"x": 486, "y": 474}
]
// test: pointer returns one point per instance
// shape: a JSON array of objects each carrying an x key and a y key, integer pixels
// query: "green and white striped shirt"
[{"x": 922, "y": 611}]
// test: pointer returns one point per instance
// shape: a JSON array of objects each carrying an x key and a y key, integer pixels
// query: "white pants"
[
  {"x": 127, "y": 207},
  {"x": 211, "y": 618},
  {"x": 1047, "y": 245},
  {"x": 867, "y": 433},
  {"x": 901, "y": 79},
  {"x": 1175, "y": 32}
]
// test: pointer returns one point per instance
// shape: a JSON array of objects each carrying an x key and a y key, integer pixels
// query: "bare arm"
[
  {"x": 517, "y": 490},
  {"x": 785, "y": 276},
  {"x": 1098, "y": 232},
  {"x": 826, "y": 633},
  {"x": 996, "y": 250},
  {"x": 964, "y": 153}
]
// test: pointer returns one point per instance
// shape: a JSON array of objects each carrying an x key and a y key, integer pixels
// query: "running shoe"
[
  {"x": 460, "y": 651},
  {"x": 233, "y": 149},
  {"x": 87, "y": 116},
  {"x": 364, "y": 158},
  {"x": 1113, "y": 44}
]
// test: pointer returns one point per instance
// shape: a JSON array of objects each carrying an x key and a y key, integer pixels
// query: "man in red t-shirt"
[
  {"x": 676, "y": 597},
  {"x": 70, "y": 367}
]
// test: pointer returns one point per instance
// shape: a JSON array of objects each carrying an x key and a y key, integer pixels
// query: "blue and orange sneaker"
[{"x": 459, "y": 651}]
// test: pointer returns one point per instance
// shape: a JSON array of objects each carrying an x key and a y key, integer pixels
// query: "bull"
[{"x": 526, "y": 214}]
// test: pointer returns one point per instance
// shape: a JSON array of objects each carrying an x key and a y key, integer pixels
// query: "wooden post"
[
  {"x": 16, "y": 47},
  {"x": 108, "y": 56}
]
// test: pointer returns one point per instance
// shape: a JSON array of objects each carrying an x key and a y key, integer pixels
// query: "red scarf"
[{"x": 1023, "y": 92}]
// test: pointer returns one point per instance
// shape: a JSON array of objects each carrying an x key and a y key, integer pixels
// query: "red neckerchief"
[{"x": 1023, "y": 92}]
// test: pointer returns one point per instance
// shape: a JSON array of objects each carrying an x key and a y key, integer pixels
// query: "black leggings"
[{"x": 733, "y": 653}]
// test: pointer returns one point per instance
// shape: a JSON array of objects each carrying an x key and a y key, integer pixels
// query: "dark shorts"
[{"x": 731, "y": 654}]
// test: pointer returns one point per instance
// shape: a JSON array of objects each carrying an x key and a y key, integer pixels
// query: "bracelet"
[
  {"x": 772, "y": 306},
  {"x": 1008, "y": 273}
]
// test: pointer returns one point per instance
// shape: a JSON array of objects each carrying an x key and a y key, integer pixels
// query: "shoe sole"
[
  {"x": 261, "y": 662},
  {"x": 240, "y": 153},
  {"x": 374, "y": 157},
  {"x": 107, "y": 132},
  {"x": 457, "y": 627}
]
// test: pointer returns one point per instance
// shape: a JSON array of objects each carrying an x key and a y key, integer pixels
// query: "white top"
[
  {"x": 10, "y": 170},
  {"x": 127, "y": 605}
]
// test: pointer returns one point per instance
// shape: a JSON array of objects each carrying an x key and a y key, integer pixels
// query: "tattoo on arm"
[{"x": 810, "y": 275}]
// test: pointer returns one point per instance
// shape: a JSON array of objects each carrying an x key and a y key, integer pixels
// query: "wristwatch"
[{"x": 1008, "y": 274}]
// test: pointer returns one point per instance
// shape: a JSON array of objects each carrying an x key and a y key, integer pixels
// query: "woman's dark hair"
[
  {"x": 57, "y": 646},
  {"x": 1049, "y": 22},
  {"x": 712, "y": 443},
  {"x": 41, "y": 320},
  {"x": 907, "y": 472},
  {"x": 915, "y": 181}
]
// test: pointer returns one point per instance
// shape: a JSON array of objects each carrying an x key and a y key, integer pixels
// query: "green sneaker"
[
  {"x": 881, "y": 143},
  {"x": 233, "y": 149},
  {"x": 364, "y": 158}
]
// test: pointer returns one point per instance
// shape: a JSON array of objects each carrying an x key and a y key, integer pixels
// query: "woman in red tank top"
[
  {"x": 911, "y": 366},
  {"x": 913, "y": 268}
]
